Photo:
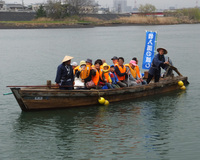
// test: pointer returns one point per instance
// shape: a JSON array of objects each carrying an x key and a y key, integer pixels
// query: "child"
[
  {"x": 105, "y": 76},
  {"x": 114, "y": 77}
]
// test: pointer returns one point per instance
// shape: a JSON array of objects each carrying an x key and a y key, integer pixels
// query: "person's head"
[
  {"x": 121, "y": 61},
  {"x": 112, "y": 68},
  {"x": 162, "y": 51},
  {"x": 114, "y": 59},
  {"x": 103, "y": 61},
  {"x": 135, "y": 59},
  {"x": 89, "y": 62},
  {"x": 106, "y": 67},
  {"x": 132, "y": 64},
  {"x": 74, "y": 65},
  {"x": 82, "y": 63},
  {"x": 98, "y": 63},
  {"x": 67, "y": 60}
]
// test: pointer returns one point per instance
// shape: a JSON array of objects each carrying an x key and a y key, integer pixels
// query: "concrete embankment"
[
  {"x": 28, "y": 16},
  {"x": 17, "y": 16}
]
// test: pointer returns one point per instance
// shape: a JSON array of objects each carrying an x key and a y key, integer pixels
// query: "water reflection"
[
  {"x": 159, "y": 115},
  {"x": 134, "y": 128}
]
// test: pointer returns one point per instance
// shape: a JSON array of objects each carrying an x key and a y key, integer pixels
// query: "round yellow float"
[
  {"x": 106, "y": 103},
  {"x": 183, "y": 88},
  {"x": 180, "y": 83},
  {"x": 101, "y": 100}
]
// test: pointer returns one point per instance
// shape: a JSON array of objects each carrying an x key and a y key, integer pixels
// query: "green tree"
[
  {"x": 41, "y": 12},
  {"x": 78, "y": 6},
  {"x": 147, "y": 8},
  {"x": 191, "y": 13}
]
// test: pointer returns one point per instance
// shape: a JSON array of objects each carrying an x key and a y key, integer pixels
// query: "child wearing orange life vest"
[{"x": 105, "y": 76}]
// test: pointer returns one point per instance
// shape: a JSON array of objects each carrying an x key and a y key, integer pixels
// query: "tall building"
[{"x": 120, "y": 6}]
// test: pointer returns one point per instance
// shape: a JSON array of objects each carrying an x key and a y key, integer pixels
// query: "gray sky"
[{"x": 159, "y": 4}]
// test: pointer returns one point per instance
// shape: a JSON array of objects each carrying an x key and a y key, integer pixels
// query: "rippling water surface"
[{"x": 166, "y": 126}]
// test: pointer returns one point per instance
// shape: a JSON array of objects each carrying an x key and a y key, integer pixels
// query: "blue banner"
[{"x": 149, "y": 49}]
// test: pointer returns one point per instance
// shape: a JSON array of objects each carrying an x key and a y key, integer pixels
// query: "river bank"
[{"x": 90, "y": 22}]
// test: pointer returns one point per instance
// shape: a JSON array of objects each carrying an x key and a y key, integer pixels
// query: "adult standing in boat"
[
  {"x": 65, "y": 76},
  {"x": 121, "y": 72},
  {"x": 157, "y": 63}
]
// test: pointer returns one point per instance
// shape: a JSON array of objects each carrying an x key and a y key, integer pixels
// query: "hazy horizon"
[{"x": 109, "y": 3}]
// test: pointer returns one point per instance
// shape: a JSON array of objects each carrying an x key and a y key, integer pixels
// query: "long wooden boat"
[{"x": 36, "y": 98}]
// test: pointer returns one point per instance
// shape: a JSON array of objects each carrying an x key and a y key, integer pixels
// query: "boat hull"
[{"x": 44, "y": 98}]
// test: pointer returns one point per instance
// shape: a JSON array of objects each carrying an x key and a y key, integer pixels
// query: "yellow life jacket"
[
  {"x": 86, "y": 72},
  {"x": 133, "y": 71}
]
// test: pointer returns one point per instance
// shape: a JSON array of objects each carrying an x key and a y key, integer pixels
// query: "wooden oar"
[{"x": 175, "y": 69}]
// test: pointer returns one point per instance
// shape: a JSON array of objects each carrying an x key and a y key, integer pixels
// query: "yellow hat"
[
  {"x": 67, "y": 58},
  {"x": 82, "y": 63},
  {"x": 106, "y": 65}
]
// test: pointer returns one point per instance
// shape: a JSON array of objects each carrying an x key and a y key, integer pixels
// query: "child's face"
[
  {"x": 112, "y": 69},
  {"x": 105, "y": 68},
  {"x": 97, "y": 66}
]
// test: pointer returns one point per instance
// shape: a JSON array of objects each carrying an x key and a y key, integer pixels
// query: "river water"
[{"x": 159, "y": 127}]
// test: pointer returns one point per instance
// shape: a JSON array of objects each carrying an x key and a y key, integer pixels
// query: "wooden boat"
[{"x": 36, "y": 98}]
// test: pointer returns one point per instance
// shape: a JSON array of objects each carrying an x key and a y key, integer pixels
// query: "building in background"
[
  {"x": 120, "y": 6},
  {"x": 2, "y": 3}
]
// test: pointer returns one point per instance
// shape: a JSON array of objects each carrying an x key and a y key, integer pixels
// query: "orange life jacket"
[
  {"x": 100, "y": 74},
  {"x": 86, "y": 72},
  {"x": 76, "y": 69},
  {"x": 95, "y": 78},
  {"x": 122, "y": 70},
  {"x": 116, "y": 64},
  {"x": 138, "y": 71}
]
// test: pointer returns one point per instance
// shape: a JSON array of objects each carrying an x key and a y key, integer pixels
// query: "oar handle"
[{"x": 5, "y": 94}]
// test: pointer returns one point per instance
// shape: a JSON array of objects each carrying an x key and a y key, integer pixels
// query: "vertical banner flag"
[{"x": 149, "y": 49}]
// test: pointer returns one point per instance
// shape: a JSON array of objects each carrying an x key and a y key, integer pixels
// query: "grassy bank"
[{"x": 89, "y": 21}]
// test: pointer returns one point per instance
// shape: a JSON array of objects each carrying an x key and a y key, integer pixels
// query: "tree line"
[{"x": 56, "y": 10}]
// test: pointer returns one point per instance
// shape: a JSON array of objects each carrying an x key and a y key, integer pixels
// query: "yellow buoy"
[
  {"x": 101, "y": 100},
  {"x": 183, "y": 88},
  {"x": 180, "y": 83},
  {"x": 106, "y": 103}
]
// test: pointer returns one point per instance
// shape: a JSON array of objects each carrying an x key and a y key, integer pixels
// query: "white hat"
[
  {"x": 67, "y": 58},
  {"x": 74, "y": 64}
]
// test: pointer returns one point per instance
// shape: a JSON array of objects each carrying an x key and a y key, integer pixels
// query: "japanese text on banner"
[{"x": 149, "y": 49}]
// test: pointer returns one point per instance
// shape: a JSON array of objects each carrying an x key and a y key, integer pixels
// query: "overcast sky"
[{"x": 159, "y": 4}]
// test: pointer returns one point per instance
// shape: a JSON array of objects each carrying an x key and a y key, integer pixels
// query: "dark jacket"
[
  {"x": 157, "y": 63},
  {"x": 117, "y": 71},
  {"x": 64, "y": 76}
]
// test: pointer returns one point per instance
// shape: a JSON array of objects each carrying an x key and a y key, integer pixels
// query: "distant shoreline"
[
  {"x": 61, "y": 26},
  {"x": 45, "y": 23}
]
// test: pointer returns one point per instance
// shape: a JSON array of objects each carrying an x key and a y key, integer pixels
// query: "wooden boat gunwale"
[{"x": 56, "y": 98}]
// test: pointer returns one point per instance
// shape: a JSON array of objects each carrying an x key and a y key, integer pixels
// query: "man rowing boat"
[{"x": 157, "y": 63}]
